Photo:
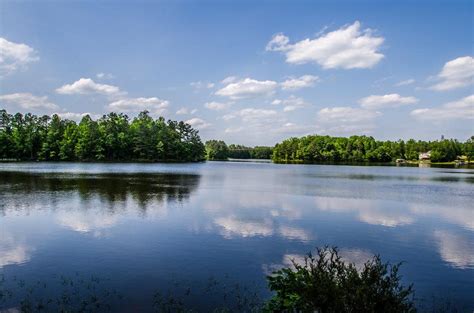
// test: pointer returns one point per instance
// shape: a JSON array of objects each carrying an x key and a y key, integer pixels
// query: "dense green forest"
[
  {"x": 219, "y": 150},
  {"x": 316, "y": 148},
  {"x": 113, "y": 137}
]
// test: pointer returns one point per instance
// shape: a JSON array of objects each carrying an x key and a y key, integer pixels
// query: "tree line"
[
  {"x": 219, "y": 150},
  {"x": 113, "y": 137},
  {"x": 315, "y": 148}
]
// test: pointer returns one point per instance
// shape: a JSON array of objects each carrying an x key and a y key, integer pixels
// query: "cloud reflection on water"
[
  {"x": 386, "y": 213},
  {"x": 455, "y": 249},
  {"x": 12, "y": 251}
]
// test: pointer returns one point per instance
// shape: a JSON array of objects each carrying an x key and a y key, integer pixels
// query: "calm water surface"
[{"x": 178, "y": 227}]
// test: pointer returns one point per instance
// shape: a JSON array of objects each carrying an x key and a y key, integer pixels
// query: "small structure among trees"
[{"x": 425, "y": 156}]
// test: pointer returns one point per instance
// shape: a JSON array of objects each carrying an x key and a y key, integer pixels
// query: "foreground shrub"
[{"x": 325, "y": 283}]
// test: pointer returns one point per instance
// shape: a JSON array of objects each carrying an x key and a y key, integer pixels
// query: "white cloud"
[
  {"x": 104, "y": 76},
  {"x": 216, "y": 106},
  {"x": 252, "y": 114},
  {"x": 346, "y": 115},
  {"x": 461, "y": 109},
  {"x": 386, "y": 101},
  {"x": 291, "y": 103},
  {"x": 85, "y": 86},
  {"x": 228, "y": 117},
  {"x": 182, "y": 111},
  {"x": 279, "y": 42},
  {"x": 198, "y": 123},
  {"x": 346, "y": 120},
  {"x": 15, "y": 56},
  {"x": 77, "y": 116},
  {"x": 347, "y": 130},
  {"x": 201, "y": 85},
  {"x": 28, "y": 101},
  {"x": 298, "y": 83},
  {"x": 231, "y": 130},
  {"x": 405, "y": 82},
  {"x": 455, "y": 74},
  {"x": 229, "y": 79},
  {"x": 348, "y": 47},
  {"x": 277, "y": 101},
  {"x": 247, "y": 88},
  {"x": 153, "y": 105}
]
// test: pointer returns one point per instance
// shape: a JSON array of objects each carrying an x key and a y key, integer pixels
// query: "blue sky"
[{"x": 250, "y": 72}]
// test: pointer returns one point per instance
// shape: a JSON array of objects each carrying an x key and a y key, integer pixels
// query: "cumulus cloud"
[
  {"x": 455, "y": 74},
  {"x": 15, "y": 56},
  {"x": 248, "y": 88},
  {"x": 86, "y": 86},
  {"x": 346, "y": 115},
  {"x": 252, "y": 114},
  {"x": 153, "y": 105},
  {"x": 405, "y": 82},
  {"x": 228, "y": 80},
  {"x": 289, "y": 128},
  {"x": 346, "y": 120},
  {"x": 348, "y": 47},
  {"x": 461, "y": 109},
  {"x": 77, "y": 116},
  {"x": 298, "y": 83},
  {"x": 104, "y": 76},
  {"x": 386, "y": 101},
  {"x": 201, "y": 85},
  {"x": 232, "y": 130},
  {"x": 184, "y": 111},
  {"x": 216, "y": 106},
  {"x": 28, "y": 101},
  {"x": 228, "y": 117},
  {"x": 291, "y": 103},
  {"x": 198, "y": 123},
  {"x": 279, "y": 42}
]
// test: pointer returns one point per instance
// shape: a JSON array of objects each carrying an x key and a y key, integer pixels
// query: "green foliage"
[
  {"x": 111, "y": 138},
  {"x": 244, "y": 152},
  {"x": 317, "y": 148},
  {"x": 326, "y": 283},
  {"x": 261, "y": 152},
  {"x": 216, "y": 150}
]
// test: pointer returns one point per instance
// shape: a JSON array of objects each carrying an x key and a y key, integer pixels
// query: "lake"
[{"x": 209, "y": 232}]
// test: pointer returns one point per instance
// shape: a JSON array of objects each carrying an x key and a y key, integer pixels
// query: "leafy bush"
[{"x": 325, "y": 283}]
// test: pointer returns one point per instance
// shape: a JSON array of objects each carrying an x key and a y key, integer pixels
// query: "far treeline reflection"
[{"x": 116, "y": 137}]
